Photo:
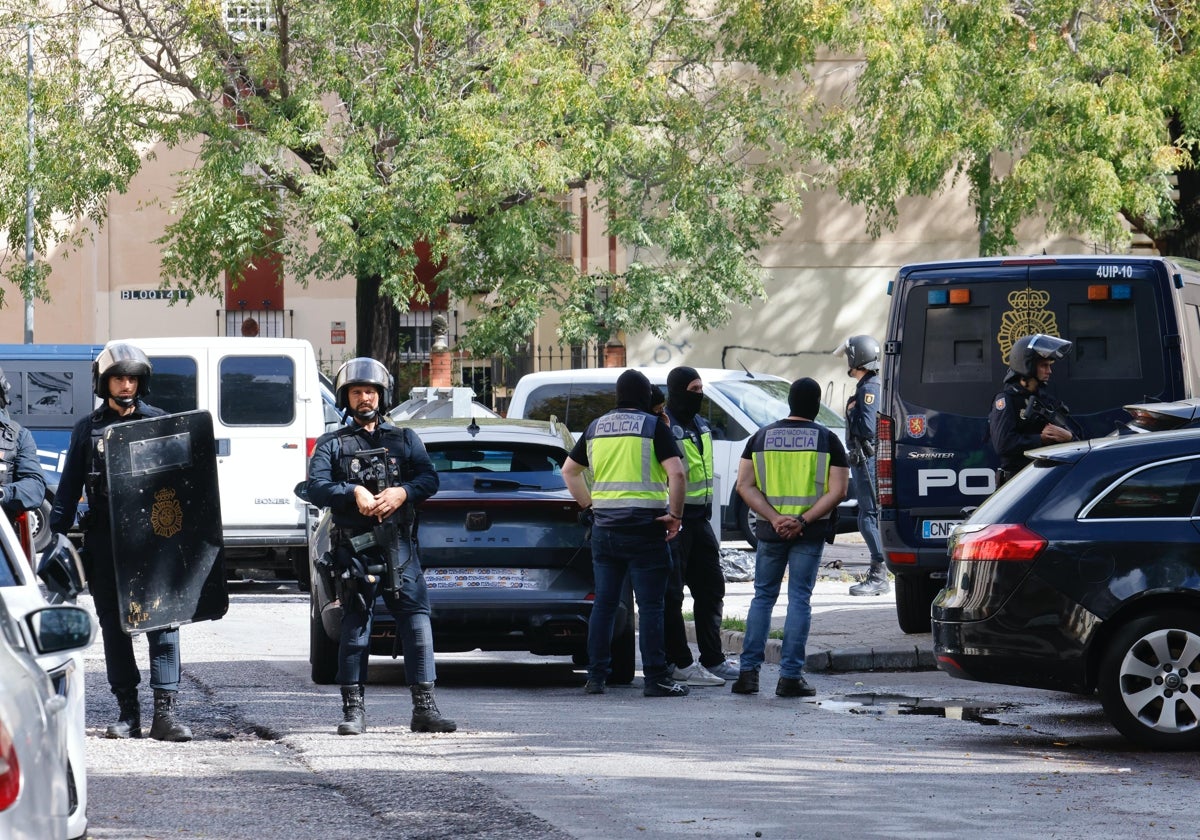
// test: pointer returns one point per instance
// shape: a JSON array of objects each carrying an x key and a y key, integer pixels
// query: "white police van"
[
  {"x": 264, "y": 395},
  {"x": 1134, "y": 324}
]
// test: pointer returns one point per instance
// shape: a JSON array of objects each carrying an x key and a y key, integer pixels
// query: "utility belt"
[{"x": 703, "y": 511}]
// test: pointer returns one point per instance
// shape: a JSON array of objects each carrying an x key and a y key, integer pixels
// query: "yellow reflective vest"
[
  {"x": 791, "y": 464},
  {"x": 699, "y": 462},
  {"x": 629, "y": 484}
]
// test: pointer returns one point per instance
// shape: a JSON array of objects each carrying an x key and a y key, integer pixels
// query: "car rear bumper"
[
  {"x": 1000, "y": 650},
  {"x": 545, "y": 628}
]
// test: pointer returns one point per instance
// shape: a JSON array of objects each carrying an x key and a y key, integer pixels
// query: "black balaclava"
[
  {"x": 804, "y": 398},
  {"x": 633, "y": 390},
  {"x": 682, "y": 403},
  {"x": 657, "y": 399}
]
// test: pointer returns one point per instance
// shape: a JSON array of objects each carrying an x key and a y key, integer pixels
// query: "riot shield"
[{"x": 165, "y": 508}]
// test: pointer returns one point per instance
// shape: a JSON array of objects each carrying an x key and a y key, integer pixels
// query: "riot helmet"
[
  {"x": 121, "y": 360},
  {"x": 363, "y": 371},
  {"x": 5, "y": 389},
  {"x": 861, "y": 351},
  {"x": 1028, "y": 350}
]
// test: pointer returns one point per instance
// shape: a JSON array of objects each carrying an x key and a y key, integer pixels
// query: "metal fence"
[
  {"x": 491, "y": 379},
  {"x": 270, "y": 323}
]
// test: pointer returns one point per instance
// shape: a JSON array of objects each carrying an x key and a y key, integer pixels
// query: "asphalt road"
[{"x": 873, "y": 755}]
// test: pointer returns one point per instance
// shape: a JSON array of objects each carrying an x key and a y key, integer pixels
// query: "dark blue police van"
[
  {"x": 50, "y": 390},
  {"x": 1134, "y": 324}
]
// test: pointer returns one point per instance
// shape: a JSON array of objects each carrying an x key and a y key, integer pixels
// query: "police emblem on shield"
[
  {"x": 166, "y": 515},
  {"x": 916, "y": 426},
  {"x": 169, "y": 564}
]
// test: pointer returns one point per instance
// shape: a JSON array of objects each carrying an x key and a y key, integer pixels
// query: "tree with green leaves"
[
  {"x": 1081, "y": 113},
  {"x": 84, "y": 140},
  {"x": 339, "y": 134}
]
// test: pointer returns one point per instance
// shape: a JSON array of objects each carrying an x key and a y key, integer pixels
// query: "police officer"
[
  {"x": 697, "y": 551},
  {"x": 121, "y": 378},
  {"x": 373, "y": 476},
  {"x": 1023, "y": 416},
  {"x": 636, "y": 497},
  {"x": 862, "y": 361},
  {"x": 22, "y": 484},
  {"x": 793, "y": 474}
]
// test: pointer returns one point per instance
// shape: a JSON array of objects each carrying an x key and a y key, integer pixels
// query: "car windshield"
[
  {"x": 766, "y": 400},
  {"x": 526, "y": 465}
]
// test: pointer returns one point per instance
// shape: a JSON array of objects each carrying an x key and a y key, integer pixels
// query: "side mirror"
[{"x": 61, "y": 628}]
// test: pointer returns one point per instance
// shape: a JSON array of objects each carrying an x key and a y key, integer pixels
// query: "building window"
[{"x": 249, "y": 16}]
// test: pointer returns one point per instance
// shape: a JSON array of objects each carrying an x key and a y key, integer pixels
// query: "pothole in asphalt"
[{"x": 900, "y": 704}]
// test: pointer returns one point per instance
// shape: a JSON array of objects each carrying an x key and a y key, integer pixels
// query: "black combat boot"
[
  {"x": 165, "y": 726},
  {"x": 354, "y": 711},
  {"x": 876, "y": 582},
  {"x": 426, "y": 717},
  {"x": 747, "y": 683},
  {"x": 129, "y": 724}
]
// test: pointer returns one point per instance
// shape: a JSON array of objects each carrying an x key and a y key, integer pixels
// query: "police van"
[
  {"x": 50, "y": 389},
  {"x": 264, "y": 395},
  {"x": 1134, "y": 324}
]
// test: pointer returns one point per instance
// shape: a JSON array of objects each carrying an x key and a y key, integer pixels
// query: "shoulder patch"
[
  {"x": 868, "y": 398},
  {"x": 1000, "y": 402}
]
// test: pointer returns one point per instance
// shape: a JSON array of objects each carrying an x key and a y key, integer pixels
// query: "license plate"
[
  {"x": 480, "y": 579},
  {"x": 938, "y": 529}
]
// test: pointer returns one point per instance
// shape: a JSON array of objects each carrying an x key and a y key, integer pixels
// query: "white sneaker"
[{"x": 696, "y": 674}]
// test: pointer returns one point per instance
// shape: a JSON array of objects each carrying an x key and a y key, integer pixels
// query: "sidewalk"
[{"x": 848, "y": 633}]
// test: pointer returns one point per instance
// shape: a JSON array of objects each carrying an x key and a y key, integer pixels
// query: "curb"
[{"x": 838, "y": 660}]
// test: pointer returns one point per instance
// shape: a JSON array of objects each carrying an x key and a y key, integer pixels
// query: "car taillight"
[
  {"x": 999, "y": 542},
  {"x": 309, "y": 445},
  {"x": 1153, "y": 421},
  {"x": 884, "y": 466},
  {"x": 10, "y": 770},
  {"x": 21, "y": 524}
]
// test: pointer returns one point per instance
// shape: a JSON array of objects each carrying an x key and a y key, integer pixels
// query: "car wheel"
[
  {"x": 1150, "y": 680},
  {"x": 322, "y": 651},
  {"x": 746, "y": 519},
  {"x": 914, "y": 601},
  {"x": 39, "y": 528}
]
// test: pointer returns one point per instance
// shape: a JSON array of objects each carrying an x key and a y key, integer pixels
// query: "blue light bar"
[
  {"x": 1122, "y": 292},
  {"x": 938, "y": 297}
]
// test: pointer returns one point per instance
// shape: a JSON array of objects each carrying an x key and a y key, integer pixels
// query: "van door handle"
[{"x": 222, "y": 447}]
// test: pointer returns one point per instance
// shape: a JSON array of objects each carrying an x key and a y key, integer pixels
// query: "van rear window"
[
  {"x": 48, "y": 394},
  {"x": 257, "y": 391},
  {"x": 576, "y": 404},
  {"x": 173, "y": 384},
  {"x": 951, "y": 357}
]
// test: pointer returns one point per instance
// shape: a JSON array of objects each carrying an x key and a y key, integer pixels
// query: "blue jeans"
[
  {"x": 863, "y": 478},
  {"x": 640, "y": 553},
  {"x": 800, "y": 559}
]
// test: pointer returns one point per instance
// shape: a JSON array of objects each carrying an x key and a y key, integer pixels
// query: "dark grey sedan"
[{"x": 505, "y": 557}]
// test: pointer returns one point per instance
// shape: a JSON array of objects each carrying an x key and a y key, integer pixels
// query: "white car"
[
  {"x": 38, "y": 782},
  {"x": 23, "y": 598}
]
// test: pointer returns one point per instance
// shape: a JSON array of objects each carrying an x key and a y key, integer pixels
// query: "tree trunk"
[
  {"x": 1184, "y": 239},
  {"x": 378, "y": 326}
]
